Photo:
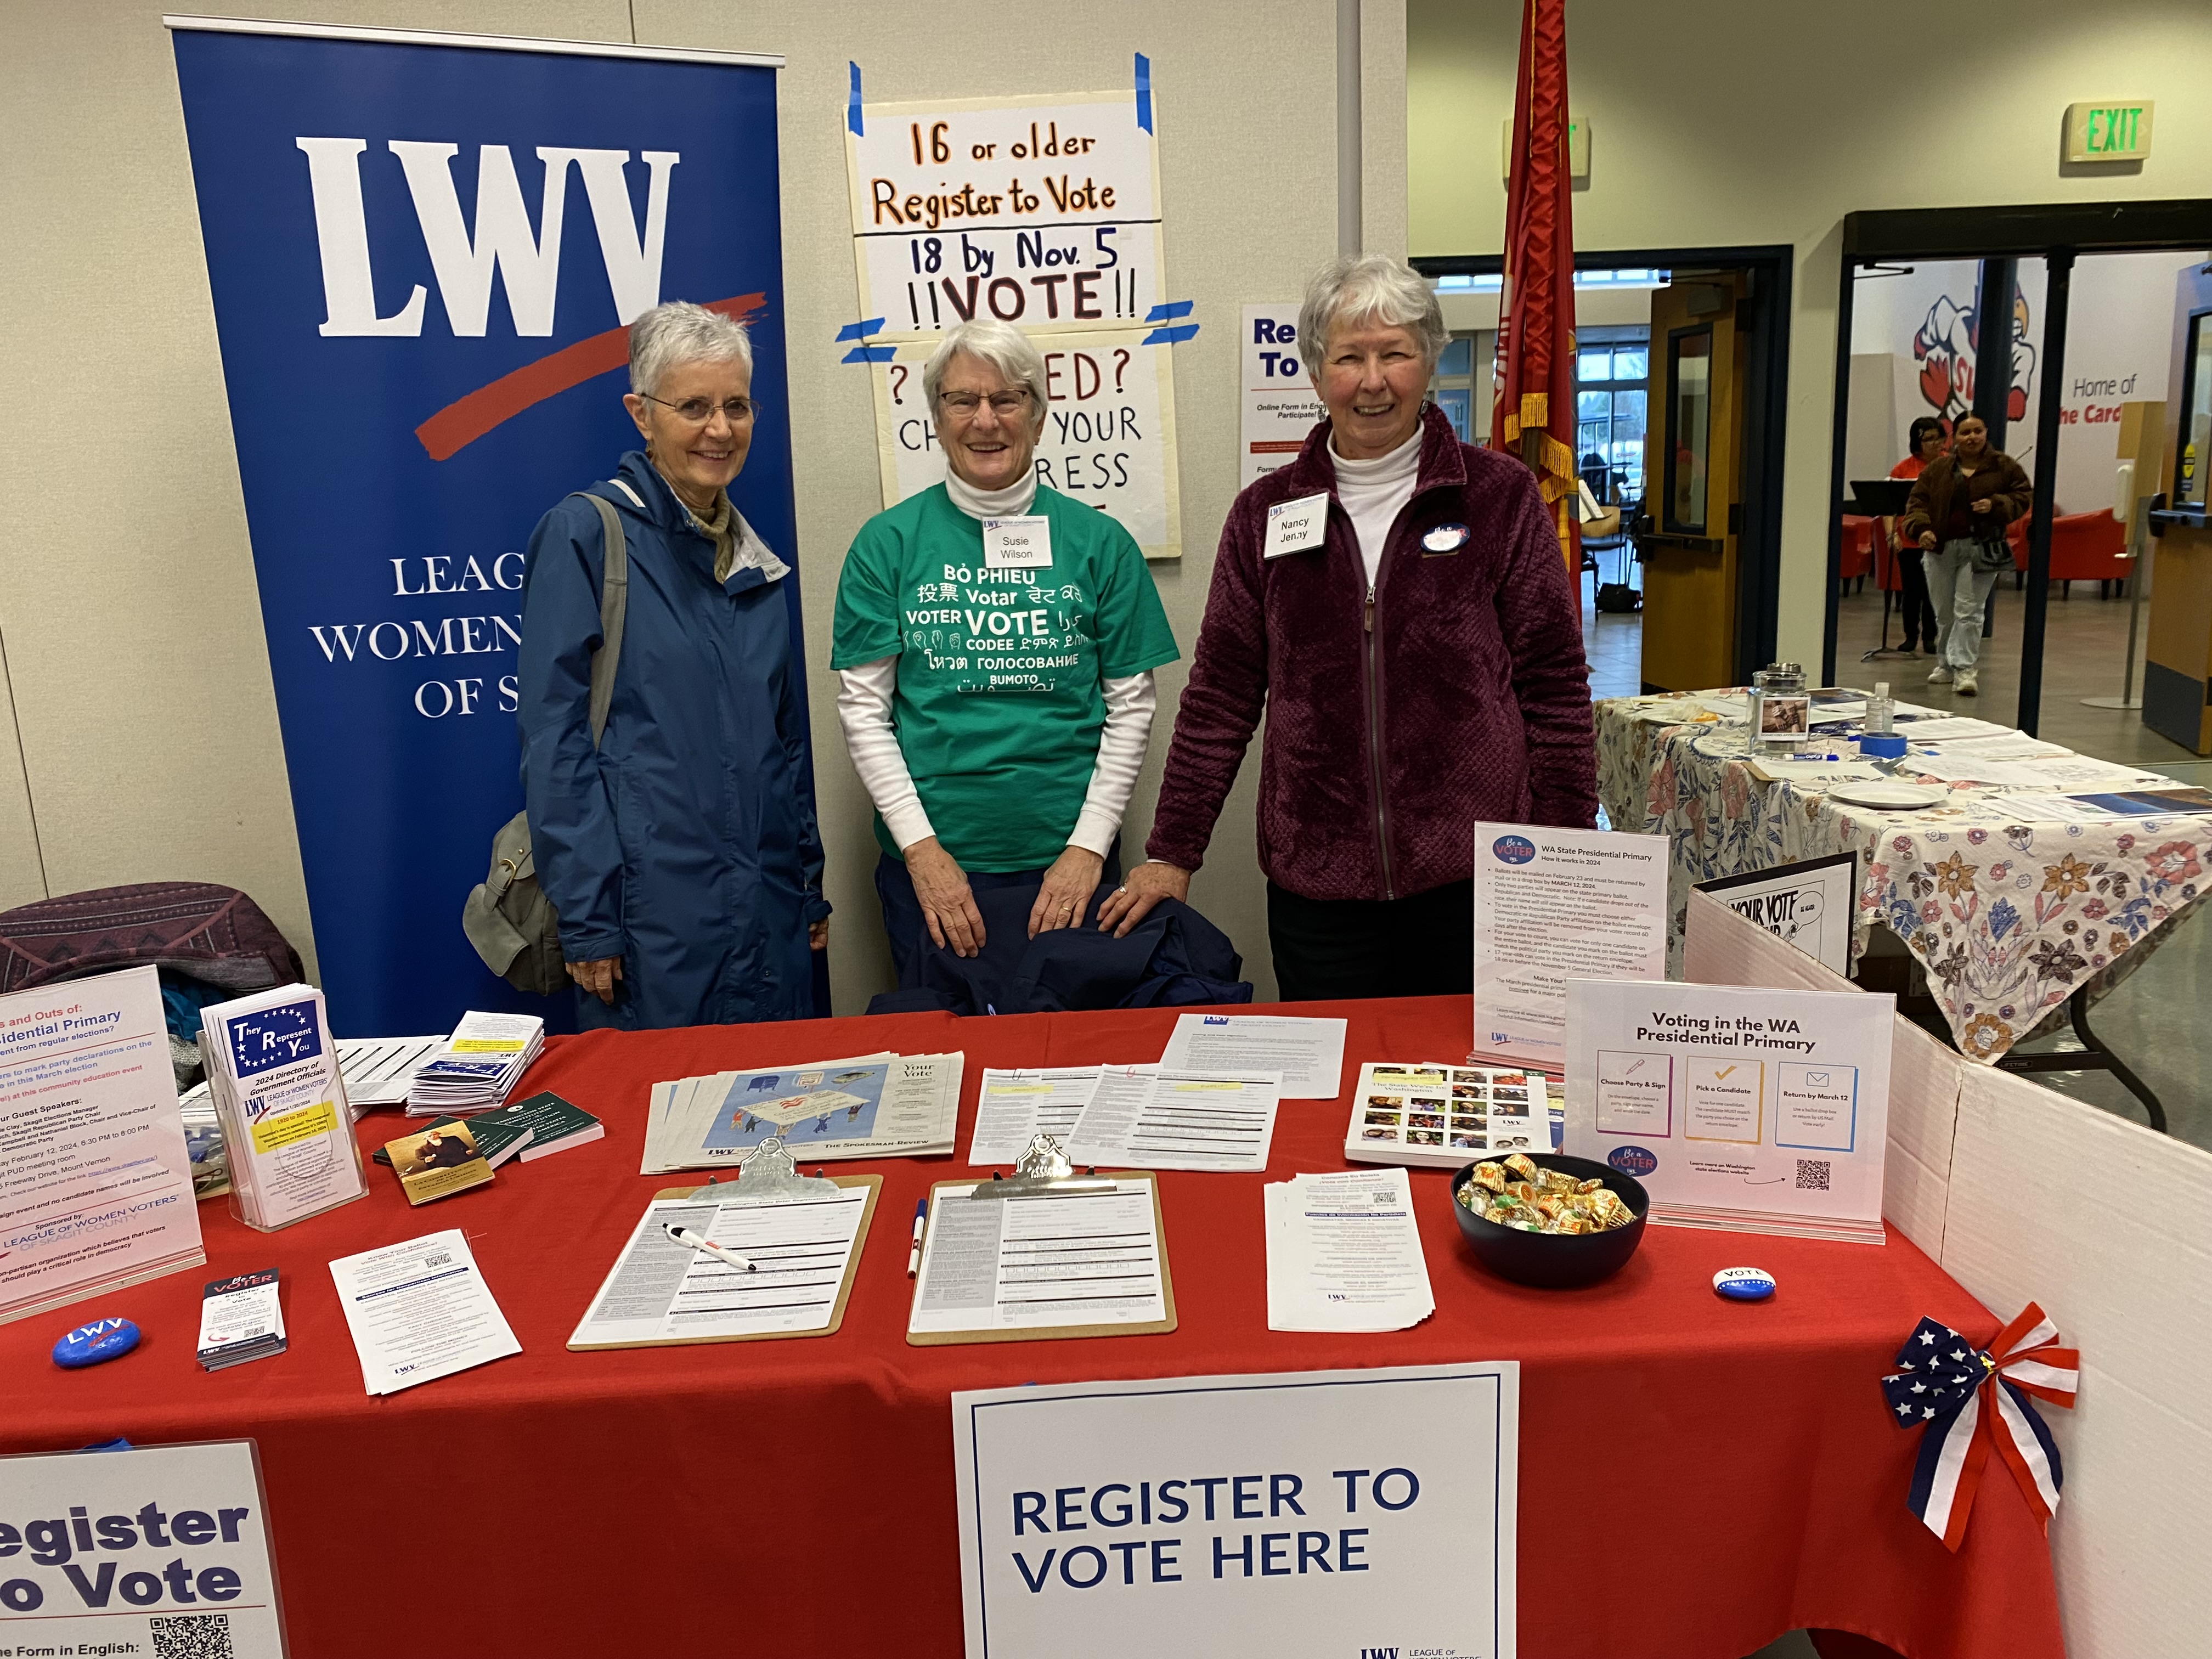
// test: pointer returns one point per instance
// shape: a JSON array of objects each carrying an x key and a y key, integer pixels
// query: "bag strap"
[{"x": 614, "y": 606}]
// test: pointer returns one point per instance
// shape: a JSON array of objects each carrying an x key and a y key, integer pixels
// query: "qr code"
[
  {"x": 193, "y": 1635},
  {"x": 1812, "y": 1175},
  {"x": 438, "y": 1261}
]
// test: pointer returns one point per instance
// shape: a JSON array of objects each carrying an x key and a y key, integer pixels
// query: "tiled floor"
[{"x": 2155, "y": 1020}]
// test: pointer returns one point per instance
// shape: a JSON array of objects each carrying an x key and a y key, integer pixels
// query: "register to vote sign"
[
  {"x": 1309, "y": 1515},
  {"x": 161, "y": 1553}
]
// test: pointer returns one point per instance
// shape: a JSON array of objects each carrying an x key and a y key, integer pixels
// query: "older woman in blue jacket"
[{"x": 681, "y": 851}]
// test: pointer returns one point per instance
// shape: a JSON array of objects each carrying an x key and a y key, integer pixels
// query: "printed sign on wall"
[
  {"x": 1301, "y": 1514},
  {"x": 1279, "y": 405},
  {"x": 423, "y": 259},
  {"x": 1044, "y": 212}
]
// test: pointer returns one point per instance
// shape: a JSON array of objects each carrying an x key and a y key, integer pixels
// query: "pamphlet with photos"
[
  {"x": 438, "y": 1162},
  {"x": 273, "y": 1071},
  {"x": 880, "y": 1105},
  {"x": 1431, "y": 1116}
]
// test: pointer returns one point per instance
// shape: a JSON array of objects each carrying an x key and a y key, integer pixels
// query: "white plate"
[{"x": 1891, "y": 797}]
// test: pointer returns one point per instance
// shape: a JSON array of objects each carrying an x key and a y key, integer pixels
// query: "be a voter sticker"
[
  {"x": 1444, "y": 539},
  {"x": 1295, "y": 527}
]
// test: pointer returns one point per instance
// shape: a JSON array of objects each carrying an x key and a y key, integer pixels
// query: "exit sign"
[{"x": 2108, "y": 131}]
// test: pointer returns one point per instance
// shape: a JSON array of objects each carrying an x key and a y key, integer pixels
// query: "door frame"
[
  {"x": 2058, "y": 233},
  {"x": 1763, "y": 319}
]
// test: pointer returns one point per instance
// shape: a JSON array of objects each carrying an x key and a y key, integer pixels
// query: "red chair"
[
  {"x": 1858, "y": 547},
  {"x": 2016, "y": 538},
  {"x": 2089, "y": 547}
]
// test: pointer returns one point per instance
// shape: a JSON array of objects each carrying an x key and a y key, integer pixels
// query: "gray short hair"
[
  {"x": 681, "y": 332},
  {"x": 1003, "y": 346},
  {"x": 1369, "y": 288}
]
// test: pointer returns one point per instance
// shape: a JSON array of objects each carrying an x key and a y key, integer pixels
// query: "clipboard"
[
  {"x": 874, "y": 1183},
  {"x": 1051, "y": 1332}
]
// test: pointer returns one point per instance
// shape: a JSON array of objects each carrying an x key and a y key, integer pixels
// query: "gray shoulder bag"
[{"x": 507, "y": 917}]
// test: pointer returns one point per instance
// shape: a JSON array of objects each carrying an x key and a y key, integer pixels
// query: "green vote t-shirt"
[{"x": 998, "y": 707}]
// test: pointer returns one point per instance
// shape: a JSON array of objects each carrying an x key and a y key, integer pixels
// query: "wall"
[
  {"x": 148, "y": 745},
  {"x": 1757, "y": 123}
]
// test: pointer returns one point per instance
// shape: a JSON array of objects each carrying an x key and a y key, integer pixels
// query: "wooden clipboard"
[
  {"x": 1053, "y": 1332},
  {"x": 874, "y": 1184}
]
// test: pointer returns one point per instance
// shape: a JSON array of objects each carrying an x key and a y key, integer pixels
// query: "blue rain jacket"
[{"x": 686, "y": 844}]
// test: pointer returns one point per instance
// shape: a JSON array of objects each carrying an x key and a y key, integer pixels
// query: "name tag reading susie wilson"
[
  {"x": 1294, "y": 526},
  {"x": 1024, "y": 544}
]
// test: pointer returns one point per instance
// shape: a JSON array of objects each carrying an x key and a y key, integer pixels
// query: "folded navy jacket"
[{"x": 1173, "y": 958}]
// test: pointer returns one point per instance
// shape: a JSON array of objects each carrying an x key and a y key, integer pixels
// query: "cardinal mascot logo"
[{"x": 1946, "y": 349}]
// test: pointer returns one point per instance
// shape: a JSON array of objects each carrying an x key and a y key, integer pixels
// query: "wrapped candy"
[{"x": 1542, "y": 1201}]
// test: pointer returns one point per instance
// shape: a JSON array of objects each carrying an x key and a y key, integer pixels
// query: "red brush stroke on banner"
[{"x": 464, "y": 420}]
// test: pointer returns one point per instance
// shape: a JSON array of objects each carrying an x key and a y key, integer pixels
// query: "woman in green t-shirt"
[{"x": 994, "y": 642}]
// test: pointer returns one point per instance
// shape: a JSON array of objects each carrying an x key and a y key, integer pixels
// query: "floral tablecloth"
[{"x": 2009, "y": 920}]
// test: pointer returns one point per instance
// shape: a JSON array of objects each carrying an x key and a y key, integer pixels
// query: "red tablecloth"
[{"x": 1697, "y": 1476}]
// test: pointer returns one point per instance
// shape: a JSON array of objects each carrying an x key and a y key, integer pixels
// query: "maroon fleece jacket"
[{"x": 1469, "y": 700}]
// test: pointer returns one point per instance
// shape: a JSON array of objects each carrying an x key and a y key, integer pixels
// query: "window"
[
  {"x": 1689, "y": 388},
  {"x": 1452, "y": 388},
  {"x": 2194, "y": 458},
  {"x": 1612, "y": 369}
]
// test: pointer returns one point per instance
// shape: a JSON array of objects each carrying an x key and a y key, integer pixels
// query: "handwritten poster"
[{"x": 1044, "y": 212}]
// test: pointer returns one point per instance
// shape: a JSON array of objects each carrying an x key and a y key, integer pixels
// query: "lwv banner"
[{"x": 424, "y": 253}]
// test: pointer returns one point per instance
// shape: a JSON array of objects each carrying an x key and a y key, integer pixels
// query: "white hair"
[
  {"x": 681, "y": 332},
  {"x": 1003, "y": 346},
  {"x": 1364, "y": 288}
]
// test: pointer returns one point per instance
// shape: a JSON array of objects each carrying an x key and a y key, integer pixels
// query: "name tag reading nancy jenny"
[
  {"x": 1024, "y": 544},
  {"x": 1294, "y": 526}
]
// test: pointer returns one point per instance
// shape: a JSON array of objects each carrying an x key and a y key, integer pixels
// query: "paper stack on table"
[
  {"x": 273, "y": 1074},
  {"x": 1344, "y": 1253},
  {"x": 241, "y": 1319},
  {"x": 1308, "y": 1053},
  {"x": 479, "y": 1066},
  {"x": 1160, "y": 1117},
  {"x": 1014, "y": 1108},
  {"x": 879, "y": 1105},
  {"x": 377, "y": 1072}
]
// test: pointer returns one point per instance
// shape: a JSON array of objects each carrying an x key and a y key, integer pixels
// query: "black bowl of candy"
[{"x": 1549, "y": 1220}]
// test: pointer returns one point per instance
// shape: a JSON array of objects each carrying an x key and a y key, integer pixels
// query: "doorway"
[{"x": 1708, "y": 594}]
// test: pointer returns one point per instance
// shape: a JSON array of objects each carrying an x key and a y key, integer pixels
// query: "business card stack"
[
  {"x": 880, "y": 1105},
  {"x": 479, "y": 1066},
  {"x": 241, "y": 1319}
]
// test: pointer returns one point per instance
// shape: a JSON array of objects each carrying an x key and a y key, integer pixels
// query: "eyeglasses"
[
  {"x": 1005, "y": 405},
  {"x": 700, "y": 410}
]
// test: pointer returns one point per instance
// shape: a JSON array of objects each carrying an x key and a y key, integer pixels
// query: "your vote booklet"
[
  {"x": 479, "y": 1066},
  {"x": 879, "y": 1105},
  {"x": 273, "y": 1073},
  {"x": 1739, "y": 1108}
]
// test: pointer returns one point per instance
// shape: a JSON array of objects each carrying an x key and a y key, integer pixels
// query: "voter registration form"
[
  {"x": 1152, "y": 1117},
  {"x": 1013, "y": 1264}
]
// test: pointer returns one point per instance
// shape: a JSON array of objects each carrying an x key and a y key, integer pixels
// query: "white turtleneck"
[
  {"x": 864, "y": 709},
  {"x": 1375, "y": 492}
]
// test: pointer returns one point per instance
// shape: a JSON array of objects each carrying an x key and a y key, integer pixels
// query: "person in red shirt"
[{"x": 1920, "y": 625}]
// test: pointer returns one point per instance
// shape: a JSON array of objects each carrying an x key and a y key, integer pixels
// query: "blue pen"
[{"x": 914, "y": 1251}]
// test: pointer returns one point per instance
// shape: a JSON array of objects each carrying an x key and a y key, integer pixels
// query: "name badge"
[
  {"x": 1445, "y": 539},
  {"x": 1024, "y": 544},
  {"x": 1294, "y": 526}
]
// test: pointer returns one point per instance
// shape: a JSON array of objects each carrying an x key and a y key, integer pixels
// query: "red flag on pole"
[{"x": 1533, "y": 414}]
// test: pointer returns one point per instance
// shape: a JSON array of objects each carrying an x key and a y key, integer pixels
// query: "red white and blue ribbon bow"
[{"x": 1971, "y": 1399}]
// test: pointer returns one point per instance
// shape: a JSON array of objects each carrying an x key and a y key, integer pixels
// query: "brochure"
[{"x": 273, "y": 1071}]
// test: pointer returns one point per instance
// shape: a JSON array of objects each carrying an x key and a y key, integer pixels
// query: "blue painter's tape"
[
  {"x": 1144, "y": 93},
  {"x": 1161, "y": 313},
  {"x": 1175, "y": 335},
  {"x": 868, "y": 354},
  {"x": 852, "y": 102},
  {"x": 860, "y": 331}
]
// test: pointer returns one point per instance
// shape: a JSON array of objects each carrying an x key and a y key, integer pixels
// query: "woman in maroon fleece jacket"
[{"x": 1396, "y": 602}]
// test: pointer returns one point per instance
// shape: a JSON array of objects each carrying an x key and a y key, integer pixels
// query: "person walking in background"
[
  {"x": 680, "y": 848},
  {"x": 1960, "y": 505},
  {"x": 997, "y": 717},
  {"x": 1920, "y": 624},
  {"x": 1397, "y": 602}
]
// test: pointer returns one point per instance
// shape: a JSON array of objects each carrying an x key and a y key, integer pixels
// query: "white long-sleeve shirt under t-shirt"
[
  {"x": 864, "y": 709},
  {"x": 1375, "y": 492}
]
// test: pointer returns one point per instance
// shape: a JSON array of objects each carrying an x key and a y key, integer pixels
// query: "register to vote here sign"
[
  {"x": 157, "y": 1552},
  {"x": 1299, "y": 1516}
]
